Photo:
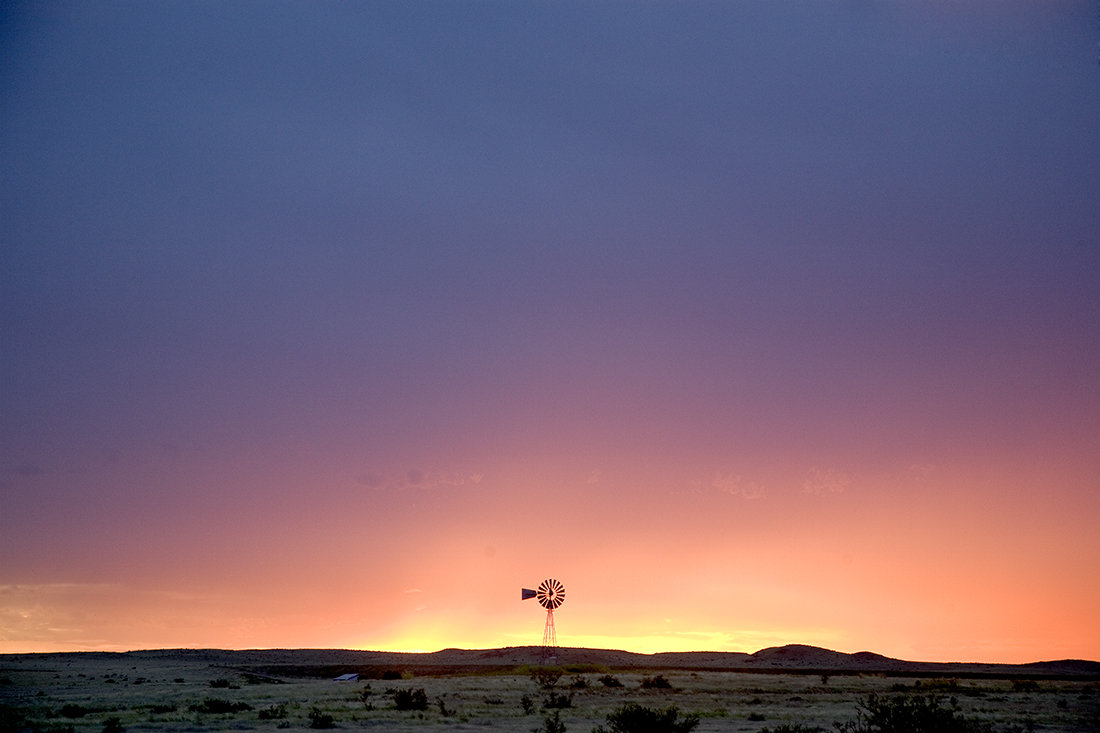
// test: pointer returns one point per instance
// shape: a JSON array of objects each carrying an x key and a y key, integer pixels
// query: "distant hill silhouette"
[{"x": 790, "y": 659}]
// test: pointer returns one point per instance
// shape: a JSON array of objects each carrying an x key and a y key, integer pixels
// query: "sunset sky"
[{"x": 753, "y": 322}]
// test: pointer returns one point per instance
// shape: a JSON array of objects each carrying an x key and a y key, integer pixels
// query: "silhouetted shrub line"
[
  {"x": 214, "y": 706},
  {"x": 909, "y": 714}
]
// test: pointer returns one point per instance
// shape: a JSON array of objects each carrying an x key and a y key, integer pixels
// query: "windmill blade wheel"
[{"x": 551, "y": 594}]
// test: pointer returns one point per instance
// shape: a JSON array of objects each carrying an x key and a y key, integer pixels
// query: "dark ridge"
[{"x": 799, "y": 659}]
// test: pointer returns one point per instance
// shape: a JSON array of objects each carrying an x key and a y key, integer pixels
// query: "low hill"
[{"x": 790, "y": 659}]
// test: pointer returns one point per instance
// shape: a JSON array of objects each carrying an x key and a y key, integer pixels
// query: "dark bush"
[
  {"x": 756, "y": 717},
  {"x": 11, "y": 717},
  {"x": 113, "y": 725},
  {"x": 609, "y": 681},
  {"x": 219, "y": 683},
  {"x": 1025, "y": 686},
  {"x": 634, "y": 718},
  {"x": 410, "y": 699},
  {"x": 555, "y": 701},
  {"x": 162, "y": 709},
  {"x": 391, "y": 674},
  {"x": 214, "y": 706},
  {"x": 551, "y": 724},
  {"x": 916, "y": 714},
  {"x": 656, "y": 683},
  {"x": 576, "y": 682},
  {"x": 275, "y": 712},
  {"x": 546, "y": 677},
  {"x": 527, "y": 703},
  {"x": 317, "y": 719},
  {"x": 70, "y": 710},
  {"x": 796, "y": 728}
]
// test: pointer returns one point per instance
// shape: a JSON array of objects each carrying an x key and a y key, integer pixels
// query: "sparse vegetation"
[
  {"x": 318, "y": 719},
  {"x": 214, "y": 706},
  {"x": 909, "y": 714},
  {"x": 635, "y": 718},
  {"x": 365, "y": 695},
  {"x": 70, "y": 710},
  {"x": 555, "y": 701},
  {"x": 551, "y": 724},
  {"x": 113, "y": 725},
  {"x": 546, "y": 677},
  {"x": 275, "y": 712},
  {"x": 657, "y": 682},
  {"x": 410, "y": 699},
  {"x": 48, "y": 696}
]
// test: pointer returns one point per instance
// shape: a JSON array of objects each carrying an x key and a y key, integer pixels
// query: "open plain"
[{"x": 468, "y": 690}]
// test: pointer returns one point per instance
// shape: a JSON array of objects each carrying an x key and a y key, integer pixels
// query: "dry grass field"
[{"x": 108, "y": 693}]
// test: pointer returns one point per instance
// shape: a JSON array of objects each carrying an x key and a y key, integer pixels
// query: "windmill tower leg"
[
  {"x": 549, "y": 640},
  {"x": 549, "y": 634}
]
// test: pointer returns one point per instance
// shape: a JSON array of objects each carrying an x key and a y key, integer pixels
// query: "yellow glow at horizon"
[{"x": 657, "y": 642}]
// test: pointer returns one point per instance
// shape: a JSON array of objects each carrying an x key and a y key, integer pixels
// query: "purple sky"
[{"x": 281, "y": 254}]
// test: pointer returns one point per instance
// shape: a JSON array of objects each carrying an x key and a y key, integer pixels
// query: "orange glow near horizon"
[{"x": 694, "y": 570}]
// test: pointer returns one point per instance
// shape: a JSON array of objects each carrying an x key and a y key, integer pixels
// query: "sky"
[{"x": 752, "y": 322}]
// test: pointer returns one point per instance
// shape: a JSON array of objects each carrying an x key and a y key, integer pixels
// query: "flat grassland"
[{"x": 166, "y": 691}]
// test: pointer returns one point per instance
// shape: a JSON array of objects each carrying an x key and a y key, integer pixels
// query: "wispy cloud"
[
  {"x": 417, "y": 478},
  {"x": 821, "y": 481},
  {"x": 731, "y": 484}
]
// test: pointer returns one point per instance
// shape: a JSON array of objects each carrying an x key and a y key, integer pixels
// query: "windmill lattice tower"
[{"x": 551, "y": 594}]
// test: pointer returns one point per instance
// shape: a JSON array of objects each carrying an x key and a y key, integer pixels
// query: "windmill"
[{"x": 551, "y": 594}]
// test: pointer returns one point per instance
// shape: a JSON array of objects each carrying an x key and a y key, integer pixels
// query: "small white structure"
[{"x": 353, "y": 677}]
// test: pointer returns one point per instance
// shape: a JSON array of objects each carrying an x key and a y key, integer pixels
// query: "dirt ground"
[{"x": 84, "y": 692}]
